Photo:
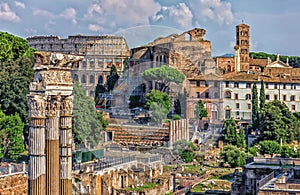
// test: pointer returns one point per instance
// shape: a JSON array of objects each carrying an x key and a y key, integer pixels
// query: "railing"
[
  {"x": 183, "y": 190},
  {"x": 11, "y": 169},
  {"x": 264, "y": 180},
  {"x": 107, "y": 162}
]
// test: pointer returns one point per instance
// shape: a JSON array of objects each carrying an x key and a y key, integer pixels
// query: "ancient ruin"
[{"x": 50, "y": 105}]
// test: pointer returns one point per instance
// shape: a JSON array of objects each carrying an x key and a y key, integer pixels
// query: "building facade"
[
  {"x": 241, "y": 72},
  {"x": 100, "y": 53}
]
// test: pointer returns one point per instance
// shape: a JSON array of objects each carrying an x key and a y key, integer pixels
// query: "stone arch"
[
  {"x": 92, "y": 79},
  {"x": 100, "y": 79},
  {"x": 75, "y": 77},
  {"x": 83, "y": 78},
  {"x": 187, "y": 37}
]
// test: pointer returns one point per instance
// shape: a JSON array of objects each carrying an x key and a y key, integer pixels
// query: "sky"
[{"x": 273, "y": 24}]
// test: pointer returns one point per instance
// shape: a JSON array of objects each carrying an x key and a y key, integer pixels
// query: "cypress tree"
[
  {"x": 255, "y": 116},
  {"x": 262, "y": 96}
]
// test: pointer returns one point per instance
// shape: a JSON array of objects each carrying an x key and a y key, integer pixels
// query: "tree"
[
  {"x": 262, "y": 96},
  {"x": 279, "y": 123},
  {"x": 13, "y": 47},
  {"x": 286, "y": 151},
  {"x": 187, "y": 156},
  {"x": 164, "y": 75},
  {"x": 255, "y": 114},
  {"x": 158, "y": 97},
  {"x": 16, "y": 72},
  {"x": 234, "y": 156},
  {"x": 230, "y": 131},
  {"x": 241, "y": 141},
  {"x": 11, "y": 136},
  {"x": 269, "y": 147},
  {"x": 200, "y": 110},
  {"x": 158, "y": 112},
  {"x": 112, "y": 78},
  {"x": 88, "y": 125}
]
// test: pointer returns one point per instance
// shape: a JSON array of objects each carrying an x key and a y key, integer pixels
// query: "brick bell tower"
[{"x": 243, "y": 46}]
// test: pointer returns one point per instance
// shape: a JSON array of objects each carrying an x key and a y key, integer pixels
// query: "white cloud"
[
  {"x": 69, "y": 14},
  {"x": 112, "y": 15},
  {"x": 44, "y": 13},
  {"x": 95, "y": 28},
  {"x": 7, "y": 14},
  {"x": 179, "y": 14},
  {"x": 213, "y": 10},
  {"x": 20, "y": 4}
]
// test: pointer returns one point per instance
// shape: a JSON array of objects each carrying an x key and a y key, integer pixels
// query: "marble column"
[
  {"x": 65, "y": 145},
  {"x": 52, "y": 144},
  {"x": 36, "y": 150}
]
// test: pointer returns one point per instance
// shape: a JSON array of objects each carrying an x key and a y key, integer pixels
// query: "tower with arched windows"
[{"x": 243, "y": 46}]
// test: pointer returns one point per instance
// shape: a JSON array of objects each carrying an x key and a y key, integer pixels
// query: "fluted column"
[
  {"x": 65, "y": 145},
  {"x": 52, "y": 145},
  {"x": 36, "y": 150}
]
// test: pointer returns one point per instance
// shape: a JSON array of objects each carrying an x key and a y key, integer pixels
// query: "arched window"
[
  {"x": 83, "y": 79},
  {"x": 227, "y": 94},
  {"x": 216, "y": 95},
  {"x": 100, "y": 79},
  {"x": 165, "y": 59},
  {"x": 248, "y": 97},
  {"x": 75, "y": 77},
  {"x": 92, "y": 79}
]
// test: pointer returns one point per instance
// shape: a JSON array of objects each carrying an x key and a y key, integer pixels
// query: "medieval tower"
[
  {"x": 50, "y": 105},
  {"x": 242, "y": 48}
]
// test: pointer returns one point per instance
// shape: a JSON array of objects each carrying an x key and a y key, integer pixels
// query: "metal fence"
[{"x": 108, "y": 161}]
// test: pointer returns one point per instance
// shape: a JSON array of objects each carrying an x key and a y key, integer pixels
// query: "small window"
[
  {"x": 267, "y": 85},
  {"x": 284, "y": 97},
  {"x": 227, "y": 84},
  {"x": 292, "y": 98},
  {"x": 236, "y": 96},
  {"x": 237, "y": 113},
  {"x": 267, "y": 97},
  {"x": 236, "y": 84},
  {"x": 248, "y": 85},
  {"x": 198, "y": 83},
  {"x": 206, "y": 84},
  {"x": 237, "y": 105},
  {"x": 249, "y": 106},
  {"x": 284, "y": 86},
  {"x": 275, "y": 86},
  {"x": 198, "y": 94},
  {"x": 227, "y": 94},
  {"x": 248, "y": 97},
  {"x": 206, "y": 95},
  {"x": 275, "y": 97},
  {"x": 293, "y": 107}
]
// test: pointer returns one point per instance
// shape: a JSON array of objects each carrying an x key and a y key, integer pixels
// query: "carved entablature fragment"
[
  {"x": 56, "y": 77},
  {"x": 47, "y": 60}
]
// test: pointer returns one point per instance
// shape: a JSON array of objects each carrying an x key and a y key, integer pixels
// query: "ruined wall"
[{"x": 14, "y": 184}]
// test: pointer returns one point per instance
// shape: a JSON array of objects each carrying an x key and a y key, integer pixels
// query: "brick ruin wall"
[{"x": 16, "y": 184}]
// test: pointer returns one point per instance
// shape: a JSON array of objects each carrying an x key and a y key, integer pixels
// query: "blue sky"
[{"x": 274, "y": 23}]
